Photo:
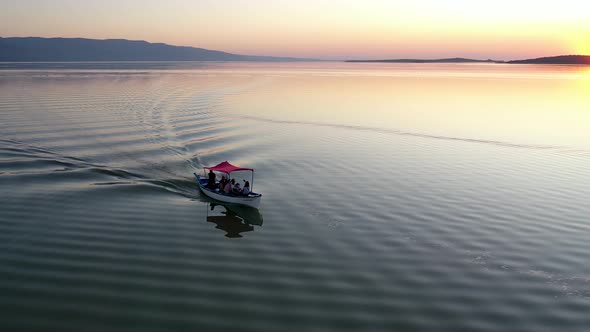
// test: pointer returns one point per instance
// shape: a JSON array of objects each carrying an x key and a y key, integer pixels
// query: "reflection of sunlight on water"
[
  {"x": 519, "y": 104},
  {"x": 585, "y": 83}
]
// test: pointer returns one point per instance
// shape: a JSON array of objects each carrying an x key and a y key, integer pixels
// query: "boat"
[{"x": 252, "y": 199}]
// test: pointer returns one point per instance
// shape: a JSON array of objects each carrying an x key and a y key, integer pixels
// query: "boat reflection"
[{"x": 233, "y": 219}]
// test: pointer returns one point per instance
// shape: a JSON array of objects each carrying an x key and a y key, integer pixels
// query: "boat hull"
[{"x": 252, "y": 200}]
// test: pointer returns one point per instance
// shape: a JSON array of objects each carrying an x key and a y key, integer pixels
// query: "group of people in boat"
[{"x": 227, "y": 186}]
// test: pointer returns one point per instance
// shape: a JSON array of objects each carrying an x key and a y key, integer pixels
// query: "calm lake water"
[{"x": 396, "y": 197}]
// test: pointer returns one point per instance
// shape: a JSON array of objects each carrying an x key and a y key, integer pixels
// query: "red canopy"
[{"x": 226, "y": 167}]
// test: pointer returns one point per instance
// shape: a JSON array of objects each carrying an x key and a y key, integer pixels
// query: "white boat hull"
[{"x": 252, "y": 200}]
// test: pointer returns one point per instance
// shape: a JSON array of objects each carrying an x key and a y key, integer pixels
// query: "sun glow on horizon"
[{"x": 583, "y": 48}]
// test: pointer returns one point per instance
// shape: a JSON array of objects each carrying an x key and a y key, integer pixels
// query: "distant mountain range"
[
  {"x": 555, "y": 60},
  {"x": 37, "y": 49}
]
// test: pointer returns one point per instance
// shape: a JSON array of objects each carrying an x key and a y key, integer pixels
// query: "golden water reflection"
[{"x": 524, "y": 104}]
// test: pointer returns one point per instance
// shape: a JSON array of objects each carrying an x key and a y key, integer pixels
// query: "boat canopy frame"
[{"x": 227, "y": 168}]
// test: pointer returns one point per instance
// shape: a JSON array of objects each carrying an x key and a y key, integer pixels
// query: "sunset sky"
[{"x": 329, "y": 29}]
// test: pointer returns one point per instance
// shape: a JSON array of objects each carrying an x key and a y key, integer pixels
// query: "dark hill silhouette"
[
  {"x": 447, "y": 60},
  {"x": 555, "y": 60},
  {"x": 34, "y": 49},
  {"x": 558, "y": 60}
]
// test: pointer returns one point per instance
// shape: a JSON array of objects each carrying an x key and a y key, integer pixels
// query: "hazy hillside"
[
  {"x": 558, "y": 60},
  {"x": 82, "y": 49}
]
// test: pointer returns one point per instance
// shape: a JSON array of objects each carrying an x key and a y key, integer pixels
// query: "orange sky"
[{"x": 330, "y": 29}]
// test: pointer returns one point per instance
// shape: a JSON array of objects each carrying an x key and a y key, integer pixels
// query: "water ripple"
[{"x": 365, "y": 228}]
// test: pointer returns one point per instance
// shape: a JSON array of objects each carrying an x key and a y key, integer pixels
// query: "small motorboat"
[{"x": 252, "y": 199}]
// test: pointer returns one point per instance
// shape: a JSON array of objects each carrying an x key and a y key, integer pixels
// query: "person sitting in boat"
[
  {"x": 228, "y": 187},
  {"x": 231, "y": 183},
  {"x": 246, "y": 189},
  {"x": 211, "y": 182},
  {"x": 222, "y": 182},
  {"x": 237, "y": 189}
]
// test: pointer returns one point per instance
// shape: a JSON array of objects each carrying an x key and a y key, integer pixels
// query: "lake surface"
[{"x": 396, "y": 197}]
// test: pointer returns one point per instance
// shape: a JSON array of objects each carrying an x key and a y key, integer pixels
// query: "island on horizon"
[
  {"x": 554, "y": 60},
  {"x": 445, "y": 60}
]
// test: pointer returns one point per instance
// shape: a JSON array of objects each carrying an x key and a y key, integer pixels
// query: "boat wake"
[
  {"x": 556, "y": 149},
  {"x": 23, "y": 162}
]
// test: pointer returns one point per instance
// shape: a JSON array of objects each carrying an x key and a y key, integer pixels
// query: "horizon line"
[{"x": 343, "y": 59}]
